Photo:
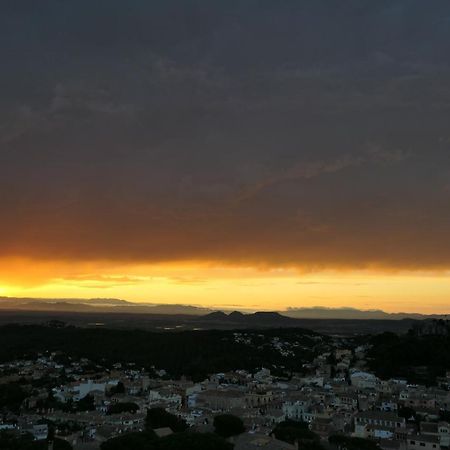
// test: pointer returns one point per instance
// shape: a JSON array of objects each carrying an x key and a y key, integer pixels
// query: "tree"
[
  {"x": 194, "y": 441},
  {"x": 159, "y": 418},
  {"x": 444, "y": 415},
  {"x": 190, "y": 353},
  {"x": 131, "y": 441},
  {"x": 227, "y": 425},
  {"x": 407, "y": 413},
  {"x": 119, "y": 388},
  {"x": 11, "y": 441},
  {"x": 87, "y": 403},
  {"x": 11, "y": 396},
  {"x": 342, "y": 442},
  {"x": 311, "y": 445},
  {"x": 122, "y": 407},
  {"x": 291, "y": 431},
  {"x": 58, "y": 444}
]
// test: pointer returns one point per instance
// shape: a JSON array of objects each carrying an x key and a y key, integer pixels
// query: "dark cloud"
[{"x": 298, "y": 132}]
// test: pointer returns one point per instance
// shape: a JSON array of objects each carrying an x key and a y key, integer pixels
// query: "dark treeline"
[
  {"x": 190, "y": 353},
  {"x": 13, "y": 441},
  {"x": 182, "y": 438},
  {"x": 420, "y": 355}
]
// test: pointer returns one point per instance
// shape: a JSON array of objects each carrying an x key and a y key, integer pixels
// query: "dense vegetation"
[
  {"x": 297, "y": 432},
  {"x": 227, "y": 425},
  {"x": 122, "y": 407},
  {"x": 191, "y": 353},
  {"x": 193, "y": 441},
  {"x": 342, "y": 442},
  {"x": 131, "y": 441},
  {"x": 12, "y": 396},
  {"x": 160, "y": 418},
  {"x": 184, "y": 441},
  {"x": 420, "y": 355},
  {"x": 12, "y": 441},
  {"x": 181, "y": 439}
]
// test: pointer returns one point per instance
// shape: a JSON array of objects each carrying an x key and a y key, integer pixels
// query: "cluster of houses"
[{"x": 333, "y": 394}]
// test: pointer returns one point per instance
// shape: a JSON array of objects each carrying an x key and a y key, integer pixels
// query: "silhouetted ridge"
[
  {"x": 269, "y": 317},
  {"x": 237, "y": 316},
  {"x": 216, "y": 315},
  {"x": 261, "y": 318}
]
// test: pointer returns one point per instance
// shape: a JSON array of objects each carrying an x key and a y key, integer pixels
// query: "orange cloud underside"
[{"x": 228, "y": 286}]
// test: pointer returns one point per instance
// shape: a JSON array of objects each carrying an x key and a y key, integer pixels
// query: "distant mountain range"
[
  {"x": 319, "y": 312},
  {"x": 256, "y": 319},
  {"x": 97, "y": 305},
  {"x": 112, "y": 305}
]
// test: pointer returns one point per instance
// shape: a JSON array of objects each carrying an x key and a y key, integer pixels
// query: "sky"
[{"x": 253, "y": 154}]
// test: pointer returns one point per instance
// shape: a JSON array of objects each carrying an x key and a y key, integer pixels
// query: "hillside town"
[{"x": 86, "y": 404}]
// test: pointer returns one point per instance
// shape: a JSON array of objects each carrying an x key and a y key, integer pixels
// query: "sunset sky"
[{"x": 242, "y": 154}]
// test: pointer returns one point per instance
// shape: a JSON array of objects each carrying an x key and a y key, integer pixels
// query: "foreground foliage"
[
  {"x": 227, "y": 425},
  {"x": 190, "y": 353},
  {"x": 352, "y": 443},
  {"x": 297, "y": 432},
  {"x": 185, "y": 440},
  {"x": 420, "y": 355},
  {"x": 12, "y": 441}
]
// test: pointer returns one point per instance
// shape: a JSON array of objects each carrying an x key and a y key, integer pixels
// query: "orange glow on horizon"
[{"x": 227, "y": 286}]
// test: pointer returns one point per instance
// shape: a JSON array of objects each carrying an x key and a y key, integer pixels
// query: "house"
[
  {"x": 342, "y": 353},
  {"x": 274, "y": 415},
  {"x": 85, "y": 388},
  {"x": 364, "y": 380},
  {"x": 78, "y": 391},
  {"x": 379, "y": 432},
  {"x": 441, "y": 430},
  {"x": 390, "y": 444},
  {"x": 39, "y": 431},
  {"x": 324, "y": 427},
  {"x": 377, "y": 424},
  {"x": 164, "y": 394},
  {"x": 347, "y": 400},
  {"x": 423, "y": 442},
  {"x": 163, "y": 432},
  {"x": 221, "y": 399},
  {"x": 444, "y": 434},
  {"x": 420, "y": 400},
  {"x": 295, "y": 407},
  {"x": 258, "y": 399},
  {"x": 263, "y": 375},
  {"x": 389, "y": 405}
]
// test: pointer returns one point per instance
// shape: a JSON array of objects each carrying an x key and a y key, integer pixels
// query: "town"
[{"x": 333, "y": 401}]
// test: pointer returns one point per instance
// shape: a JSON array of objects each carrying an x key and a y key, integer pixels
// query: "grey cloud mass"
[{"x": 310, "y": 132}]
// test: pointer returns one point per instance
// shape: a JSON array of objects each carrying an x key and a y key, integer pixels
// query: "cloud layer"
[{"x": 309, "y": 133}]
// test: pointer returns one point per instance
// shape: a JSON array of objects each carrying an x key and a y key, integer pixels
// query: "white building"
[{"x": 364, "y": 380}]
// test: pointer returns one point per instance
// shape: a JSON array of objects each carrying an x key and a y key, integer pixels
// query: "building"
[
  {"x": 377, "y": 424},
  {"x": 221, "y": 399},
  {"x": 423, "y": 442}
]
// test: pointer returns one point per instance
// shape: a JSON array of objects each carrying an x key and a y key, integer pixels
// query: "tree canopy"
[
  {"x": 185, "y": 441},
  {"x": 191, "y": 353},
  {"x": 10, "y": 441},
  {"x": 131, "y": 441},
  {"x": 194, "y": 441},
  {"x": 122, "y": 407},
  {"x": 159, "y": 418},
  {"x": 227, "y": 425},
  {"x": 420, "y": 355},
  {"x": 352, "y": 443},
  {"x": 291, "y": 431}
]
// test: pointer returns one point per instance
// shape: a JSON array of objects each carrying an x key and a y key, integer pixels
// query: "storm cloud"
[{"x": 309, "y": 132}]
